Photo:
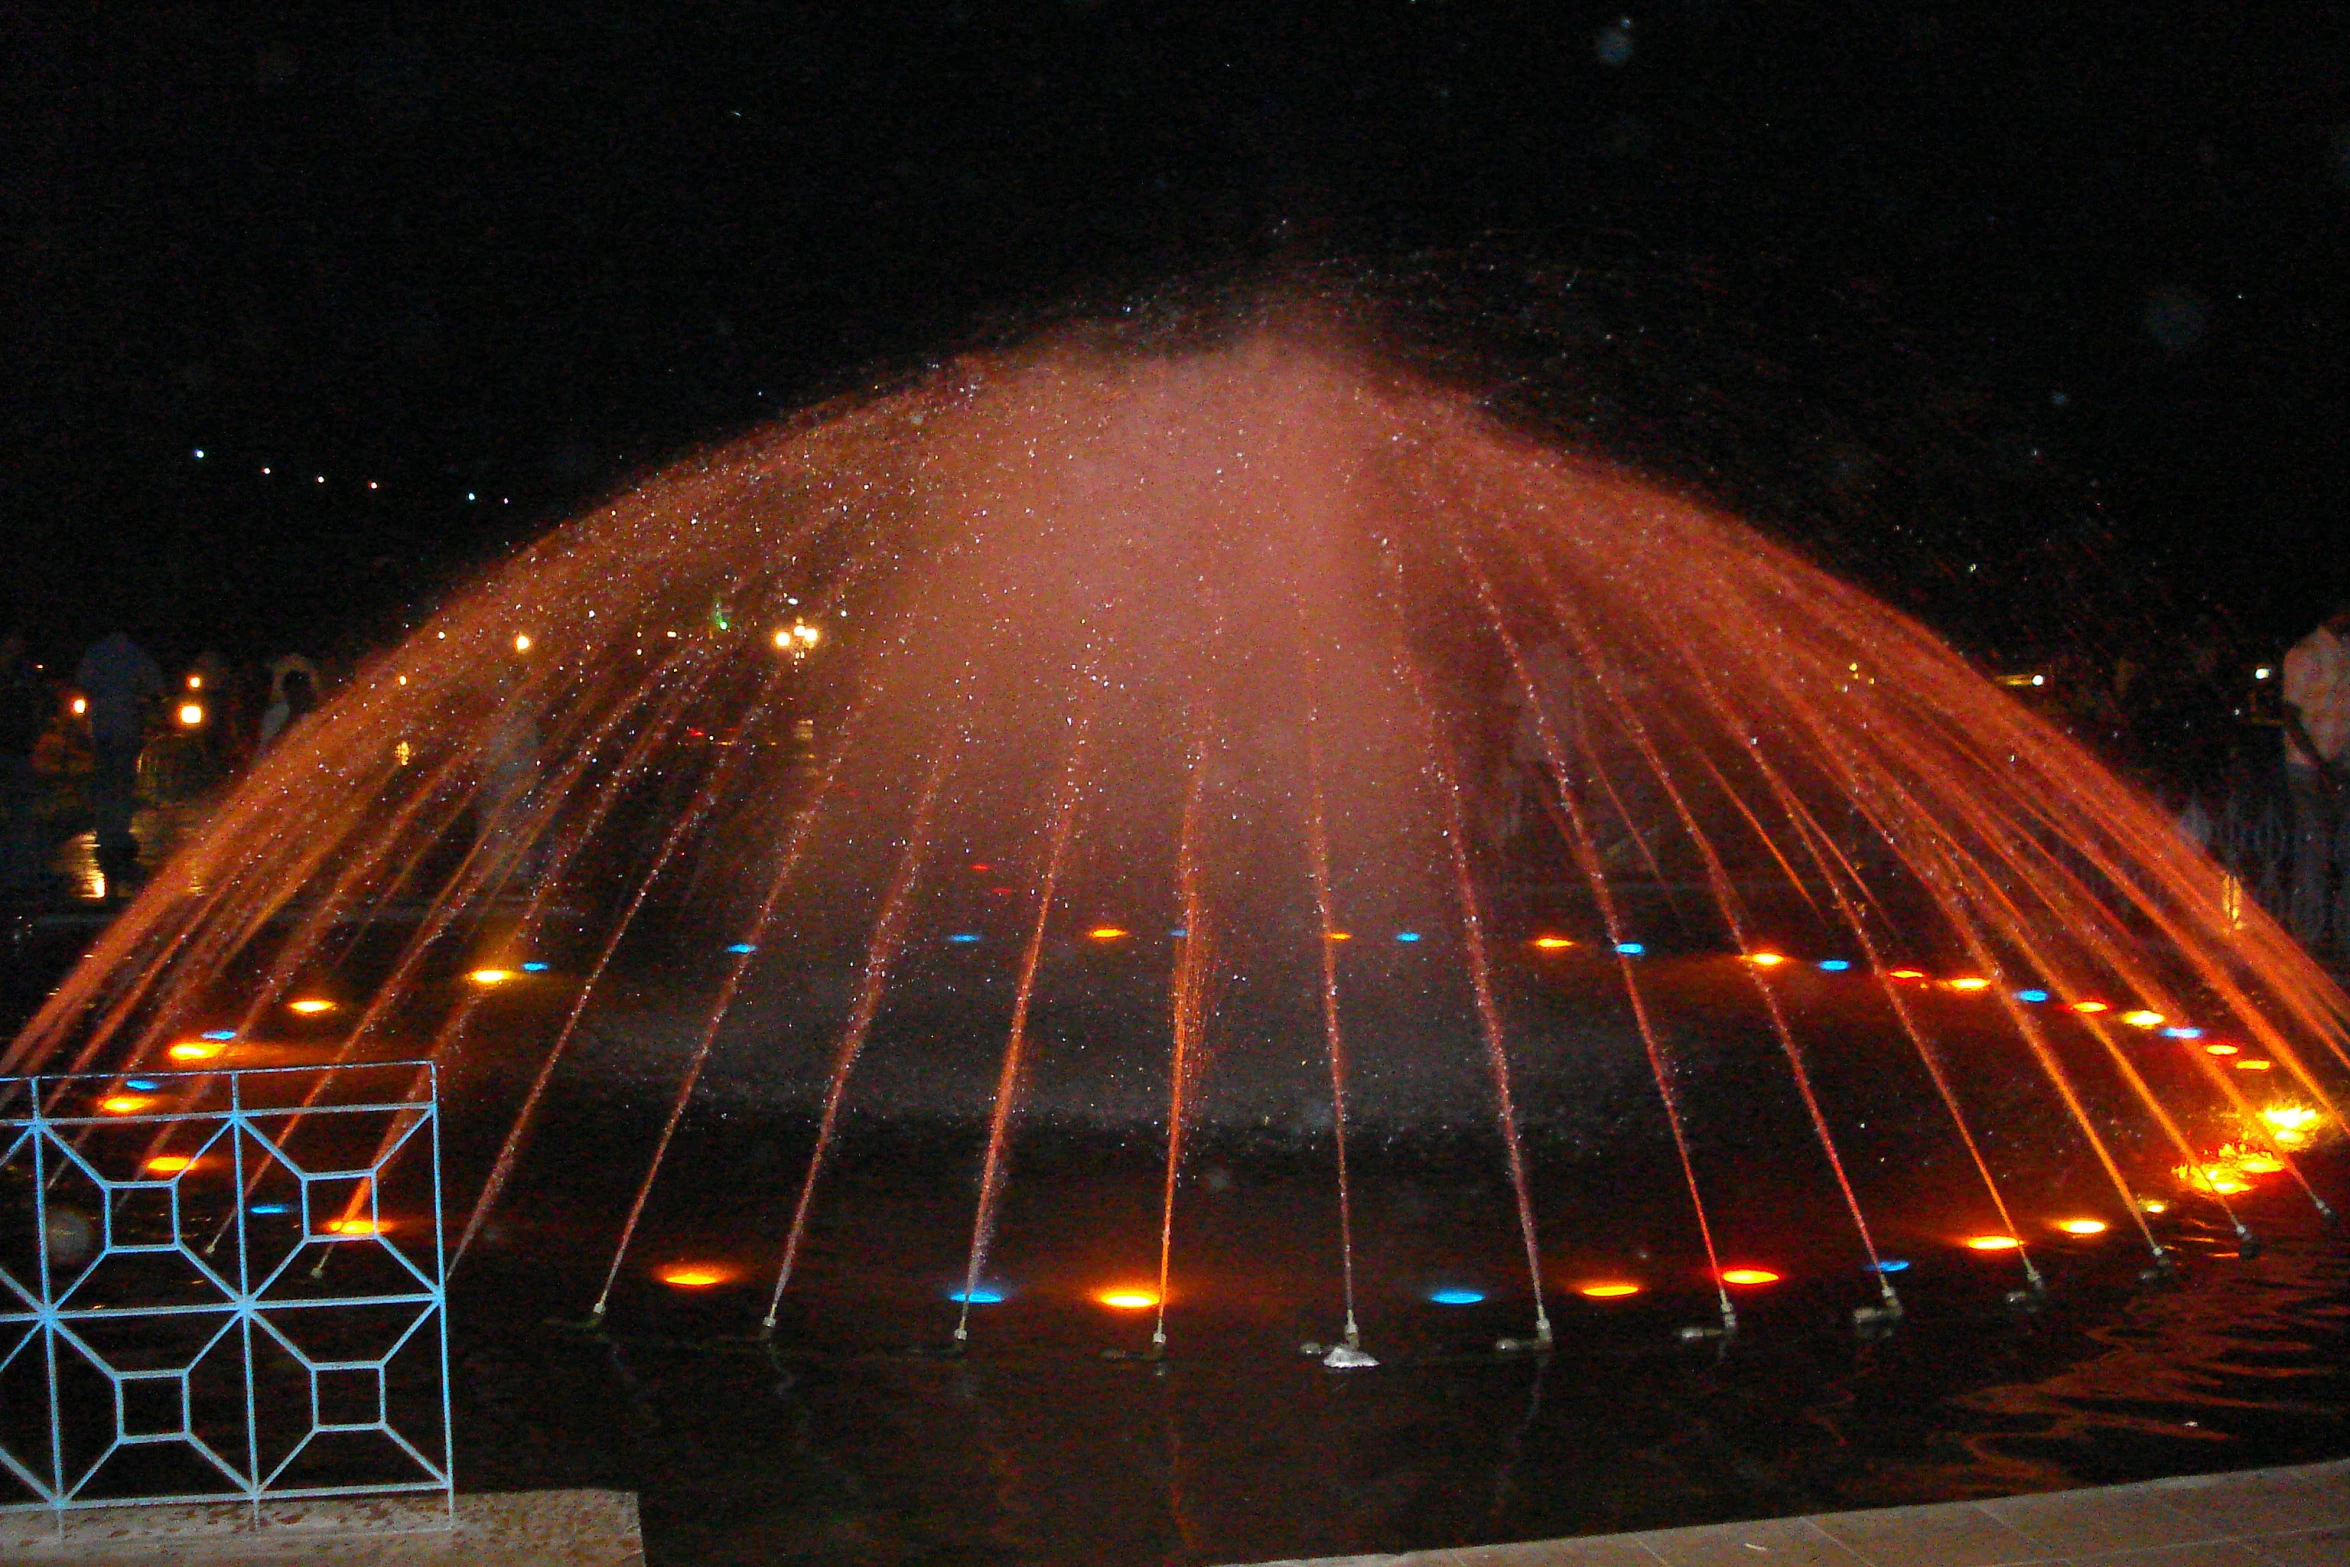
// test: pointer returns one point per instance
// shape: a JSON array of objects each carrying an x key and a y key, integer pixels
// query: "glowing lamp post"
[{"x": 191, "y": 715}]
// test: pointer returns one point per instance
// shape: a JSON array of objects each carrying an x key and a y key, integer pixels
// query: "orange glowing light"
[
  {"x": 491, "y": 976},
  {"x": 1749, "y": 1276},
  {"x": 195, "y": 1050},
  {"x": 2144, "y": 1019},
  {"x": 310, "y": 1005},
  {"x": 692, "y": 1275},
  {"x": 2226, "y": 1186},
  {"x": 1906, "y": 973},
  {"x": 1128, "y": 1299},
  {"x": 521, "y": 641},
  {"x": 169, "y": 1164},
  {"x": 2154, "y": 1205},
  {"x": 1552, "y": 943},
  {"x": 1993, "y": 1243},
  {"x": 2090, "y": 1006},
  {"x": 2290, "y": 1118},
  {"x": 2252, "y": 1064},
  {"x": 1970, "y": 982},
  {"x": 349, "y": 1227},
  {"x": 124, "y": 1104},
  {"x": 195, "y": 682},
  {"x": 1341, "y": 935},
  {"x": 2082, "y": 1226},
  {"x": 1606, "y": 1291},
  {"x": 2259, "y": 1164},
  {"x": 1104, "y": 933},
  {"x": 81, "y": 706},
  {"x": 1765, "y": 959},
  {"x": 191, "y": 714},
  {"x": 2219, "y": 1050}
]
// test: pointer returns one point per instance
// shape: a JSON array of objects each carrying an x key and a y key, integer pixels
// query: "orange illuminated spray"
[
  {"x": 881, "y": 950},
  {"x": 1318, "y": 860},
  {"x": 1187, "y": 1009},
  {"x": 1007, "y": 1087}
]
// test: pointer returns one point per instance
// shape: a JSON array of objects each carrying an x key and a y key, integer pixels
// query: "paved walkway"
[
  {"x": 507, "y": 1529},
  {"x": 2257, "y": 1518}
]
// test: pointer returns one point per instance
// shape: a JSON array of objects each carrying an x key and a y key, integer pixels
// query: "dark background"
[{"x": 2030, "y": 315}]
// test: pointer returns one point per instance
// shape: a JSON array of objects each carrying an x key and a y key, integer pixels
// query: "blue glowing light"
[
  {"x": 220, "y": 1033},
  {"x": 1456, "y": 1297},
  {"x": 741, "y": 948},
  {"x": 1179, "y": 931},
  {"x": 1630, "y": 949},
  {"x": 2182, "y": 1033},
  {"x": 963, "y": 937},
  {"x": 1835, "y": 965},
  {"x": 534, "y": 968},
  {"x": 267, "y": 1209},
  {"x": 983, "y": 1296},
  {"x": 1888, "y": 1265},
  {"x": 1407, "y": 935},
  {"x": 145, "y": 1085},
  {"x": 2031, "y": 995}
]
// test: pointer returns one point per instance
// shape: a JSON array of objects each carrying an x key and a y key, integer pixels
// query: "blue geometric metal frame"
[{"x": 254, "y": 1291}]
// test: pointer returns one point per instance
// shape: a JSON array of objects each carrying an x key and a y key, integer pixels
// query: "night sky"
[{"x": 2030, "y": 315}]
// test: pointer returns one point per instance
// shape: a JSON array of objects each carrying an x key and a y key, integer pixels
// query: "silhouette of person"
[
  {"x": 2317, "y": 774},
  {"x": 293, "y": 693},
  {"x": 119, "y": 681}
]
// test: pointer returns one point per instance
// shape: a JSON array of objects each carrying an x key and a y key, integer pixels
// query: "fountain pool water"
[{"x": 1192, "y": 852}]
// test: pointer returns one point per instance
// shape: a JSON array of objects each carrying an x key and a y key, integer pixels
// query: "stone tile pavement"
[
  {"x": 497, "y": 1529},
  {"x": 2256, "y": 1518}
]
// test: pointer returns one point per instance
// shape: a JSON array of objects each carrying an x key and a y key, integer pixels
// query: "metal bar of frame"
[{"x": 41, "y": 1306}]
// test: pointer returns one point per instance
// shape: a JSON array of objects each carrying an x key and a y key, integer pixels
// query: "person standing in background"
[
  {"x": 120, "y": 682},
  {"x": 2317, "y": 772}
]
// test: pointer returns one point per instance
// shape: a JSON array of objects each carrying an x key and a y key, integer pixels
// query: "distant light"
[
  {"x": 2031, "y": 995},
  {"x": 1970, "y": 982},
  {"x": 534, "y": 968},
  {"x": 271, "y": 1209},
  {"x": 371, "y": 484},
  {"x": 2039, "y": 680},
  {"x": 491, "y": 976},
  {"x": 2182, "y": 1033},
  {"x": 1105, "y": 933},
  {"x": 469, "y": 495},
  {"x": 195, "y": 1050},
  {"x": 199, "y": 454},
  {"x": 2252, "y": 1064},
  {"x": 521, "y": 641},
  {"x": 2262, "y": 673},
  {"x": 310, "y": 1004},
  {"x": 1749, "y": 1276},
  {"x": 1905, "y": 973},
  {"x": 1179, "y": 932},
  {"x": 265, "y": 473},
  {"x": 1765, "y": 959},
  {"x": 1127, "y": 1299},
  {"x": 1630, "y": 949},
  {"x": 982, "y": 1296},
  {"x": 1552, "y": 943},
  {"x": 692, "y": 1275},
  {"x": 169, "y": 1164},
  {"x": 1606, "y": 1291},
  {"x": 783, "y": 639},
  {"x": 741, "y": 948},
  {"x": 195, "y": 682},
  {"x": 2143, "y": 1019},
  {"x": 2083, "y": 1226},
  {"x": 1456, "y": 1297},
  {"x": 124, "y": 1104},
  {"x": 81, "y": 705},
  {"x": 2090, "y": 1006},
  {"x": 1407, "y": 935},
  {"x": 1992, "y": 1243},
  {"x": 1887, "y": 1265},
  {"x": 190, "y": 714},
  {"x": 2219, "y": 1050},
  {"x": 964, "y": 937},
  {"x": 222, "y": 1034},
  {"x": 1835, "y": 965},
  {"x": 808, "y": 635}
]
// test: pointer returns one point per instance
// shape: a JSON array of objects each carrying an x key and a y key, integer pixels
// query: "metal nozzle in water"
[{"x": 2248, "y": 1245}]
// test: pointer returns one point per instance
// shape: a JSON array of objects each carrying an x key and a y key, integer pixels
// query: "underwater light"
[
  {"x": 1765, "y": 959},
  {"x": 1970, "y": 982},
  {"x": 1992, "y": 1243},
  {"x": 964, "y": 938},
  {"x": 1338, "y": 935},
  {"x": 692, "y": 1275},
  {"x": 741, "y": 948},
  {"x": 1455, "y": 1297},
  {"x": 2289, "y": 1118},
  {"x": 144, "y": 1085},
  {"x": 194, "y": 1050},
  {"x": 1905, "y": 973},
  {"x": 1552, "y": 943},
  {"x": 2219, "y": 1050},
  {"x": 2182, "y": 1033},
  {"x": 168, "y": 1164},
  {"x": 2143, "y": 1019},
  {"x": 310, "y": 1005},
  {"x": 2259, "y": 1164},
  {"x": 221, "y": 1034},
  {"x": 2090, "y": 1006},
  {"x": 1606, "y": 1291},
  {"x": 1749, "y": 1276},
  {"x": 1407, "y": 935},
  {"x": 1886, "y": 1265},
  {"x": 1127, "y": 1299},
  {"x": 491, "y": 976},
  {"x": 1834, "y": 965},
  {"x": 1104, "y": 933},
  {"x": 2154, "y": 1205},
  {"x": 2252, "y": 1064},
  {"x": 271, "y": 1209},
  {"x": 2031, "y": 995},
  {"x": 521, "y": 641},
  {"x": 982, "y": 1296},
  {"x": 353, "y": 1229},
  {"x": 534, "y": 968},
  {"x": 124, "y": 1104},
  {"x": 2082, "y": 1226},
  {"x": 1630, "y": 949}
]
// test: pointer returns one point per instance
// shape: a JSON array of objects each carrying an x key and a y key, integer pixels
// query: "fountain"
[{"x": 1245, "y": 740}]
